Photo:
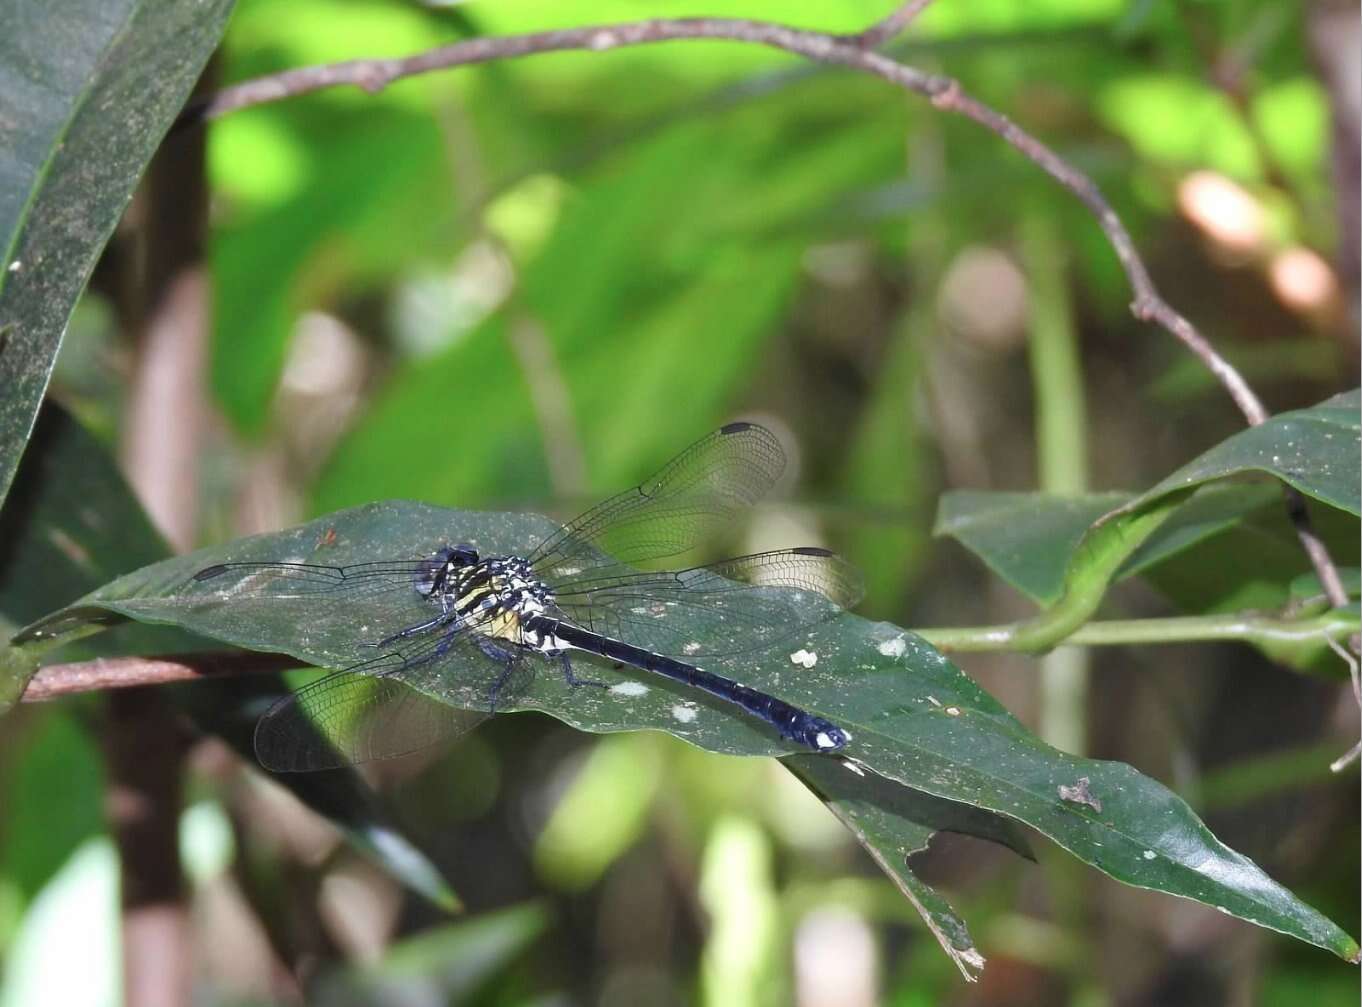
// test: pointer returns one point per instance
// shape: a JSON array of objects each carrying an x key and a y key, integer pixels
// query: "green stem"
[
  {"x": 1061, "y": 451},
  {"x": 1242, "y": 627},
  {"x": 1091, "y": 570},
  {"x": 1056, "y": 374},
  {"x": 1278, "y": 771}
]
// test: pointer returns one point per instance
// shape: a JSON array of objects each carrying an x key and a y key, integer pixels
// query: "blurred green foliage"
[{"x": 551, "y": 272}]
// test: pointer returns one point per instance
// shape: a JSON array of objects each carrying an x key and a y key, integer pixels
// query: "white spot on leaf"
[{"x": 896, "y": 647}]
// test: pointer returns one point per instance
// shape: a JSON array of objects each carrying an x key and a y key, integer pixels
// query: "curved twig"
[{"x": 853, "y": 51}]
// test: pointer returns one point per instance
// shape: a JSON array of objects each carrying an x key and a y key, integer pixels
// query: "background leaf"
[
  {"x": 87, "y": 91},
  {"x": 1033, "y": 540}
]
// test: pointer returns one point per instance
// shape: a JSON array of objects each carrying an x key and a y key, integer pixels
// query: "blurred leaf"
[
  {"x": 1034, "y": 540},
  {"x": 349, "y": 224},
  {"x": 1261, "y": 364},
  {"x": 913, "y": 717},
  {"x": 87, "y": 90},
  {"x": 1182, "y": 120},
  {"x": 78, "y": 907},
  {"x": 740, "y": 963},
  {"x": 603, "y": 812},
  {"x": 53, "y": 792},
  {"x": 444, "y": 966},
  {"x": 1294, "y": 118},
  {"x": 608, "y": 314},
  {"x": 1276, "y": 771},
  {"x": 884, "y": 468},
  {"x": 72, "y": 522},
  {"x": 418, "y": 439},
  {"x": 893, "y": 823}
]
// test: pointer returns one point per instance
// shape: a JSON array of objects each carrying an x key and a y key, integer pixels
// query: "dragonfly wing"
[
  {"x": 379, "y": 709},
  {"x": 734, "y": 606},
  {"x": 244, "y": 581},
  {"x": 693, "y": 496}
]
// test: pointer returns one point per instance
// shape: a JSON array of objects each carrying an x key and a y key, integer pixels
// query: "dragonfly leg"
[
  {"x": 504, "y": 656},
  {"x": 507, "y": 670},
  {"x": 570, "y": 676},
  {"x": 422, "y": 627}
]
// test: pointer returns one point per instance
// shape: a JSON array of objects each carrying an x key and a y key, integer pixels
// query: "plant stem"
[
  {"x": 1239, "y": 626},
  {"x": 1061, "y": 452},
  {"x": 1099, "y": 556}
]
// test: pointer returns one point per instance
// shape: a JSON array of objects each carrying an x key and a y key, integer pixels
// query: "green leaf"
[
  {"x": 1315, "y": 450},
  {"x": 1027, "y": 539},
  {"x": 57, "y": 757},
  {"x": 1043, "y": 544},
  {"x": 87, "y": 90},
  {"x": 613, "y": 313},
  {"x": 892, "y": 823},
  {"x": 347, "y": 228},
  {"x": 446, "y": 965},
  {"x": 912, "y": 716},
  {"x": 70, "y": 524}
]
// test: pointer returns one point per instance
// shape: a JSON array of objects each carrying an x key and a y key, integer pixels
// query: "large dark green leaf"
[
  {"x": 913, "y": 716},
  {"x": 87, "y": 90},
  {"x": 70, "y": 524}
]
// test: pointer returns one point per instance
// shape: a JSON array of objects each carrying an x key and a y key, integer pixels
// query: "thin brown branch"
[
  {"x": 57, "y": 680},
  {"x": 851, "y": 51},
  {"x": 889, "y": 26}
]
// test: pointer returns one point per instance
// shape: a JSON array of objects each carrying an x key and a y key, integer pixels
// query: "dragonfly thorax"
[{"x": 490, "y": 596}]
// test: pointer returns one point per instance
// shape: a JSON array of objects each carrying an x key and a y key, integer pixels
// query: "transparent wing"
[
  {"x": 693, "y": 496},
  {"x": 734, "y": 606},
  {"x": 235, "y": 581},
  {"x": 386, "y": 707}
]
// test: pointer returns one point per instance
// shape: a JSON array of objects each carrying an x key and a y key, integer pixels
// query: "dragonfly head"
[
  {"x": 462, "y": 554},
  {"x": 435, "y": 574}
]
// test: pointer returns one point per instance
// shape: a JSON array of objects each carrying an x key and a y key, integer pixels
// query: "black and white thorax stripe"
[{"x": 499, "y": 598}]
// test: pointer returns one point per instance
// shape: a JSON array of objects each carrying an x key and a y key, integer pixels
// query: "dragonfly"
[{"x": 579, "y": 591}]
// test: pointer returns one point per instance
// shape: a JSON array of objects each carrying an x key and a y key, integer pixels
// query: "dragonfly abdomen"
[{"x": 795, "y": 724}]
